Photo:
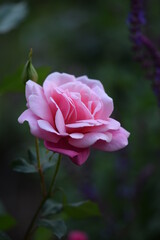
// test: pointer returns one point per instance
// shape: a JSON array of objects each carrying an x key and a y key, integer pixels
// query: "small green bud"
[{"x": 29, "y": 72}]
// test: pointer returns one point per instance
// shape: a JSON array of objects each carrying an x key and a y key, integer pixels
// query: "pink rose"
[
  {"x": 72, "y": 115},
  {"x": 77, "y": 235}
]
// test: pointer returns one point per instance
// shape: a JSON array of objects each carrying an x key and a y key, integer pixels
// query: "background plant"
[{"x": 125, "y": 184}]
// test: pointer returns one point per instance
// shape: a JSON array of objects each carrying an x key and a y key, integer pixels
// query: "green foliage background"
[{"x": 91, "y": 38}]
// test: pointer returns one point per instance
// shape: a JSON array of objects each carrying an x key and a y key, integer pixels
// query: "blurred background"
[{"x": 91, "y": 38}]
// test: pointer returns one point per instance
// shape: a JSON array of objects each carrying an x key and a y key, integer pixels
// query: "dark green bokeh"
[{"x": 87, "y": 37}]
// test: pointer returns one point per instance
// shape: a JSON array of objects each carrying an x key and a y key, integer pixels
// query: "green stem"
[
  {"x": 27, "y": 235},
  {"x": 43, "y": 187},
  {"x": 55, "y": 174},
  {"x": 30, "y": 228}
]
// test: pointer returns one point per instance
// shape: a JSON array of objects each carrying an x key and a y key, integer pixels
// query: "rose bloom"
[
  {"x": 77, "y": 235},
  {"x": 72, "y": 115}
]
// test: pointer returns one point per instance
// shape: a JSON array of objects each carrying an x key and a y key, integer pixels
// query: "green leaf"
[
  {"x": 82, "y": 209},
  {"x": 57, "y": 227},
  {"x": 32, "y": 159},
  {"x": 21, "y": 165},
  {"x": 48, "y": 160},
  {"x": 11, "y": 15},
  {"x": 14, "y": 83},
  {"x": 50, "y": 208},
  {"x": 64, "y": 197},
  {"x": 42, "y": 233},
  {"x": 6, "y": 222},
  {"x": 4, "y": 236}
]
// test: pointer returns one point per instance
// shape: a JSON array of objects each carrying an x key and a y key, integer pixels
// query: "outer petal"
[
  {"x": 33, "y": 88},
  {"x": 78, "y": 156},
  {"x": 32, "y": 120},
  {"x": 90, "y": 138},
  {"x": 81, "y": 157},
  {"x": 39, "y": 107},
  {"x": 107, "y": 104},
  {"x": 91, "y": 83},
  {"x": 119, "y": 141},
  {"x": 113, "y": 124},
  {"x": 35, "y": 128}
]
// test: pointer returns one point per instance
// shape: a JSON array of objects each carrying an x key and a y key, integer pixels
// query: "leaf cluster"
[
  {"x": 52, "y": 214},
  {"x": 48, "y": 159}
]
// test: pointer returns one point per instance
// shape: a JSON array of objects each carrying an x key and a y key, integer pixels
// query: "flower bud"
[
  {"x": 29, "y": 72},
  {"x": 77, "y": 235}
]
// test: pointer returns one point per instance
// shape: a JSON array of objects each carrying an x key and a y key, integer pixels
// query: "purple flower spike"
[{"x": 144, "y": 49}]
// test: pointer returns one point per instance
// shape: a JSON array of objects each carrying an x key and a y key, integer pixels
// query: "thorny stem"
[
  {"x": 43, "y": 187},
  {"x": 30, "y": 228}
]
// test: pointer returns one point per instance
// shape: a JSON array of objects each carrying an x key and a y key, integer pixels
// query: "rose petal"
[
  {"x": 62, "y": 101},
  {"x": 49, "y": 133},
  {"x": 33, "y": 88},
  {"x": 81, "y": 91},
  {"x": 39, "y": 107},
  {"x": 54, "y": 80},
  {"x": 78, "y": 156},
  {"x": 59, "y": 121},
  {"x": 98, "y": 89},
  {"x": 34, "y": 126},
  {"x": 64, "y": 105},
  {"x": 47, "y": 126},
  {"x": 107, "y": 106},
  {"x": 72, "y": 116},
  {"x": 32, "y": 120},
  {"x": 89, "y": 125},
  {"x": 113, "y": 124},
  {"x": 81, "y": 109},
  {"x": 81, "y": 157},
  {"x": 84, "y": 123},
  {"x": 89, "y": 139},
  {"x": 97, "y": 105},
  {"x": 119, "y": 141},
  {"x": 91, "y": 83},
  {"x": 76, "y": 135}
]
